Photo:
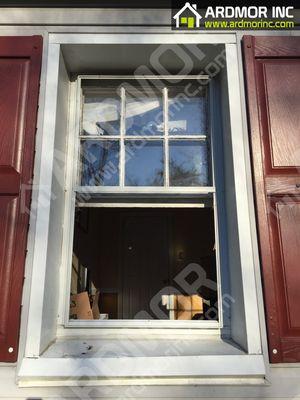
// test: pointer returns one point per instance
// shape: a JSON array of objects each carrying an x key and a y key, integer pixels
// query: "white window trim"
[{"x": 242, "y": 174}]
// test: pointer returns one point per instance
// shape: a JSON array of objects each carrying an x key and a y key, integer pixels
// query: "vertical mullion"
[
  {"x": 122, "y": 142},
  {"x": 166, "y": 136}
]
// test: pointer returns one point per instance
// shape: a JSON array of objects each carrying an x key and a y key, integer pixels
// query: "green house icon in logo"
[{"x": 188, "y": 17}]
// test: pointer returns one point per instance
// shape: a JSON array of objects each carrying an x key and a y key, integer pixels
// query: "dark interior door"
[
  {"x": 145, "y": 261},
  {"x": 272, "y": 66},
  {"x": 20, "y": 62}
]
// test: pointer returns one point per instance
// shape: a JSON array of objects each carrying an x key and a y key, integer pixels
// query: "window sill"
[{"x": 153, "y": 361}]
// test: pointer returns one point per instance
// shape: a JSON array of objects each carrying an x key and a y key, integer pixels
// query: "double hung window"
[{"x": 143, "y": 144}]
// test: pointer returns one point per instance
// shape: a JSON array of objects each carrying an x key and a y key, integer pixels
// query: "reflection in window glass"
[
  {"x": 144, "y": 163},
  {"x": 144, "y": 115},
  {"x": 187, "y": 115},
  {"x": 100, "y": 163},
  {"x": 101, "y": 115},
  {"x": 188, "y": 163}
]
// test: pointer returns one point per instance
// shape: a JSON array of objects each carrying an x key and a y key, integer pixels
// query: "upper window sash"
[{"x": 133, "y": 152}]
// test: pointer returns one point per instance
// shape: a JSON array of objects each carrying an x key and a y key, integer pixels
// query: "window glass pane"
[
  {"x": 101, "y": 114},
  {"x": 187, "y": 114},
  {"x": 123, "y": 260},
  {"x": 144, "y": 163},
  {"x": 188, "y": 163},
  {"x": 144, "y": 115},
  {"x": 99, "y": 163}
]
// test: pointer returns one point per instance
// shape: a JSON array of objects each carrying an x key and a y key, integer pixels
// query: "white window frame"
[
  {"x": 252, "y": 363},
  {"x": 72, "y": 176}
]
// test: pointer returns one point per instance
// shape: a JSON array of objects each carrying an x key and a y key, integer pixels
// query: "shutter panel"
[
  {"x": 20, "y": 63},
  {"x": 272, "y": 67}
]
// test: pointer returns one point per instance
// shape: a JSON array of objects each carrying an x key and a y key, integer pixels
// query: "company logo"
[
  {"x": 231, "y": 17},
  {"x": 188, "y": 17}
]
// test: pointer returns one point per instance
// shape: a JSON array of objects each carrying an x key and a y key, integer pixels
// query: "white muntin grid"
[{"x": 165, "y": 138}]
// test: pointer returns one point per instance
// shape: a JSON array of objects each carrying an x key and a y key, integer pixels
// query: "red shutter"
[
  {"x": 272, "y": 67},
  {"x": 20, "y": 64}
]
